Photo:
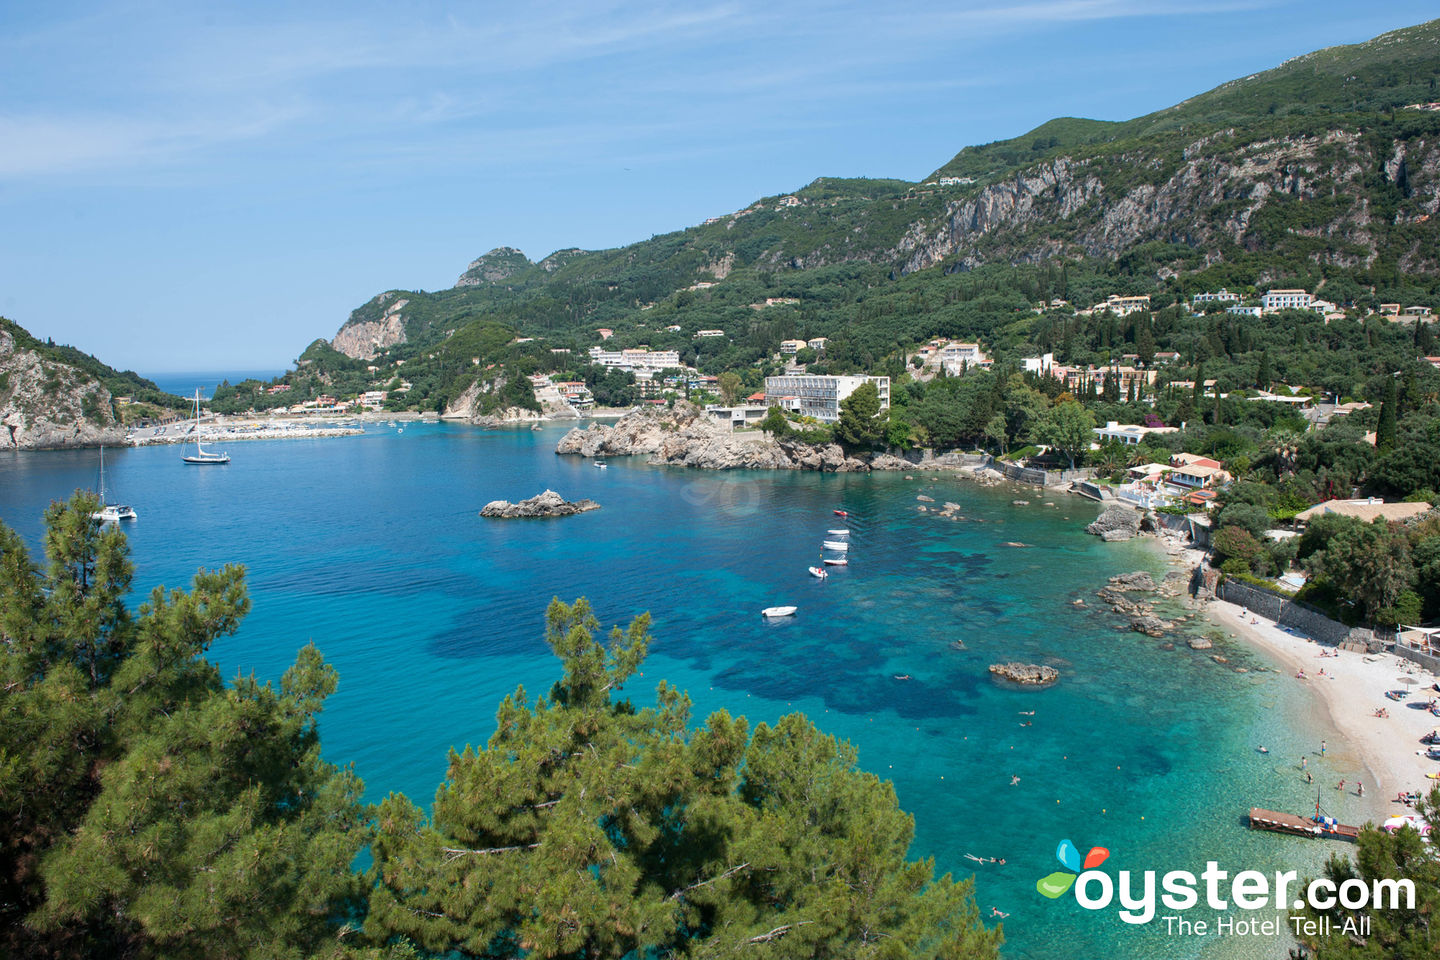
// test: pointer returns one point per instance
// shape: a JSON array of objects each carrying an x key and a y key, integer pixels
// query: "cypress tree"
[{"x": 1385, "y": 426}]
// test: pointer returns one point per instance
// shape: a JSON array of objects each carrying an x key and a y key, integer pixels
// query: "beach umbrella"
[{"x": 1407, "y": 680}]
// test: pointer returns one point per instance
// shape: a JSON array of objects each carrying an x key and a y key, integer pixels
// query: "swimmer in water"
[{"x": 1014, "y": 780}]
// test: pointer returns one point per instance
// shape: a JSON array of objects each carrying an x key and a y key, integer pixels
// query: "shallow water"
[{"x": 372, "y": 547}]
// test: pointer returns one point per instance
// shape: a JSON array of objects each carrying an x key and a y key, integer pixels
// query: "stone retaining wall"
[
  {"x": 1020, "y": 474},
  {"x": 1293, "y": 614},
  {"x": 1425, "y": 660}
]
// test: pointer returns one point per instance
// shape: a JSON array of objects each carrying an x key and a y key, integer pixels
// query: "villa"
[{"x": 1128, "y": 433}]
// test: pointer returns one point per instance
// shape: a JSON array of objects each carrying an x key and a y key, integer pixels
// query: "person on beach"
[
  {"x": 1308, "y": 777},
  {"x": 1322, "y": 748},
  {"x": 1340, "y": 785},
  {"x": 1359, "y": 789},
  {"x": 1303, "y": 762}
]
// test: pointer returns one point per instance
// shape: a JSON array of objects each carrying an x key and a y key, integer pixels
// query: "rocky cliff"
[
  {"x": 1206, "y": 197},
  {"x": 364, "y": 339},
  {"x": 498, "y": 265},
  {"x": 44, "y": 404}
]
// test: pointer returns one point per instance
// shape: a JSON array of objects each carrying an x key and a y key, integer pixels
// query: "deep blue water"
[
  {"x": 184, "y": 383},
  {"x": 372, "y": 547}
]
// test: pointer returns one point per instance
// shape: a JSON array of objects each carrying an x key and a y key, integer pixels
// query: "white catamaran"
[
  {"x": 203, "y": 457},
  {"x": 110, "y": 512}
]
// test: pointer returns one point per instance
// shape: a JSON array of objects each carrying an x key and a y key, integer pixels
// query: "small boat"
[
  {"x": 839, "y": 545},
  {"x": 818, "y": 572},
  {"x": 110, "y": 512},
  {"x": 842, "y": 532},
  {"x": 841, "y": 513},
  {"x": 202, "y": 457},
  {"x": 601, "y": 464},
  {"x": 778, "y": 612},
  {"x": 836, "y": 562}
]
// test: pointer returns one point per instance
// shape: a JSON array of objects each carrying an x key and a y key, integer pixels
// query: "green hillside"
[
  {"x": 118, "y": 382},
  {"x": 1391, "y": 71},
  {"x": 1313, "y": 174}
]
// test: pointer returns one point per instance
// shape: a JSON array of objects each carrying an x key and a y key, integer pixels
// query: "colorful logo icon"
[{"x": 1061, "y": 880}]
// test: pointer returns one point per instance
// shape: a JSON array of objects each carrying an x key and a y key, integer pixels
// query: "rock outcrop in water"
[
  {"x": 1116, "y": 523},
  {"x": 547, "y": 504},
  {"x": 1030, "y": 674},
  {"x": 1139, "y": 613}
]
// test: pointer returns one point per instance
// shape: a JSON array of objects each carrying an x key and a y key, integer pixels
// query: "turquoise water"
[{"x": 371, "y": 546}]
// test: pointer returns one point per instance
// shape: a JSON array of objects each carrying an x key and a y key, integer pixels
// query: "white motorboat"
[
  {"x": 201, "y": 456},
  {"x": 110, "y": 512},
  {"x": 837, "y": 545},
  {"x": 601, "y": 464},
  {"x": 838, "y": 533},
  {"x": 836, "y": 562},
  {"x": 769, "y": 612},
  {"x": 818, "y": 572}
]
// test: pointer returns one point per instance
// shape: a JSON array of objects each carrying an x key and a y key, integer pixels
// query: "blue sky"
[{"x": 211, "y": 189}]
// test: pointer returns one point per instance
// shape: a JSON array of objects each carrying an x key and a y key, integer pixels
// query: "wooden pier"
[{"x": 1262, "y": 819}]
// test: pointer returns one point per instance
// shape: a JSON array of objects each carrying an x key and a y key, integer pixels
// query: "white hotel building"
[
  {"x": 636, "y": 359},
  {"x": 819, "y": 397},
  {"x": 1285, "y": 300}
]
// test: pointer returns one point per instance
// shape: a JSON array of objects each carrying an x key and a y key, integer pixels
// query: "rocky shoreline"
[
  {"x": 547, "y": 504},
  {"x": 685, "y": 436}
]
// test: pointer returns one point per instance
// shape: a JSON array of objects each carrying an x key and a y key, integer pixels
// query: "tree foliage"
[
  {"x": 862, "y": 422},
  {"x": 1069, "y": 428},
  {"x": 589, "y": 826},
  {"x": 146, "y": 809}
]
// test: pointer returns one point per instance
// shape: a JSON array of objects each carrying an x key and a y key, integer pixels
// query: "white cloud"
[{"x": 41, "y": 145}]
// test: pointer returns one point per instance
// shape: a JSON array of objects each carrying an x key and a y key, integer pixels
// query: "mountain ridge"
[{"x": 1072, "y": 187}]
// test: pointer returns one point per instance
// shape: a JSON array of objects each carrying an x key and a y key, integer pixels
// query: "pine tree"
[
  {"x": 147, "y": 809},
  {"x": 1263, "y": 376},
  {"x": 862, "y": 423},
  {"x": 591, "y": 827}
]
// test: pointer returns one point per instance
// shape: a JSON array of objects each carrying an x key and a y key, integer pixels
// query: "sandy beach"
[{"x": 1352, "y": 688}]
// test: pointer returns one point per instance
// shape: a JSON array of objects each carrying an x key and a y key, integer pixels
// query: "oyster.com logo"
[
  {"x": 1141, "y": 893},
  {"x": 1060, "y": 881}
]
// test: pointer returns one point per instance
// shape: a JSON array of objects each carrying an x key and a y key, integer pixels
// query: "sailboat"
[
  {"x": 203, "y": 457},
  {"x": 110, "y": 512}
]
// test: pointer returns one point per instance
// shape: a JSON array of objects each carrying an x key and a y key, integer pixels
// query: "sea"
[
  {"x": 372, "y": 548},
  {"x": 185, "y": 383}
]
